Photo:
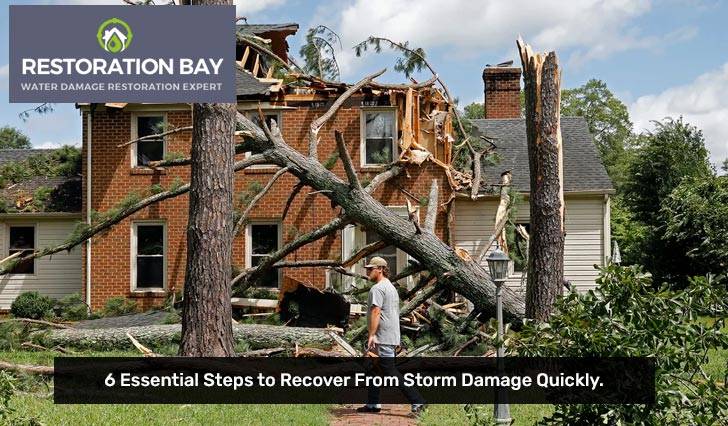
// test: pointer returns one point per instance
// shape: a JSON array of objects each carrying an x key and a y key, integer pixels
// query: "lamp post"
[{"x": 498, "y": 265}]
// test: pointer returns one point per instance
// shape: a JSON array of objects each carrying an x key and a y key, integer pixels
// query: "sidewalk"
[{"x": 391, "y": 415}]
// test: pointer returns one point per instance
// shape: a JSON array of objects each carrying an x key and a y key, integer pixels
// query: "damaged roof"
[
  {"x": 258, "y": 29},
  {"x": 247, "y": 85},
  {"x": 583, "y": 169},
  {"x": 64, "y": 191},
  {"x": 12, "y": 155}
]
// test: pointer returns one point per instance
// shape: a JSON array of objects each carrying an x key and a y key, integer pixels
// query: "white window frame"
[
  {"x": 249, "y": 248},
  {"x": 279, "y": 122},
  {"x": 354, "y": 238},
  {"x": 135, "y": 134},
  {"x": 133, "y": 263},
  {"x": 35, "y": 245},
  {"x": 363, "y": 134}
]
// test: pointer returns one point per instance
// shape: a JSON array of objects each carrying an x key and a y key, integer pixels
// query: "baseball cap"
[{"x": 376, "y": 262}]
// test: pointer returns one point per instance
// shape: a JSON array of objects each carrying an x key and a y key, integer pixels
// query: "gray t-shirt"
[{"x": 384, "y": 295}]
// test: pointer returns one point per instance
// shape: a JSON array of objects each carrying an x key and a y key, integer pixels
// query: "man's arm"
[{"x": 373, "y": 325}]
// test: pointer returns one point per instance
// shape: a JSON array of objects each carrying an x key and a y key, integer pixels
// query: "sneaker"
[{"x": 368, "y": 409}]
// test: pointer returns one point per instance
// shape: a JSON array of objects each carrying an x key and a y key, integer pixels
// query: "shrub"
[
  {"x": 32, "y": 305},
  {"x": 117, "y": 306},
  {"x": 72, "y": 308},
  {"x": 626, "y": 316}
]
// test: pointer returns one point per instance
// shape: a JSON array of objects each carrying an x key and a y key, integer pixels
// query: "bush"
[
  {"x": 117, "y": 306},
  {"x": 72, "y": 308},
  {"x": 32, "y": 305},
  {"x": 626, "y": 316}
]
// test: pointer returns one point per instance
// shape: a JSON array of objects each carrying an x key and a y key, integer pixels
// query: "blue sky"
[{"x": 662, "y": 58}]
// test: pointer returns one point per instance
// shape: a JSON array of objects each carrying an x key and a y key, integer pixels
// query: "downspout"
[
  {"x": 88, "y": 203},
  {"x": 607, "y": 230}
]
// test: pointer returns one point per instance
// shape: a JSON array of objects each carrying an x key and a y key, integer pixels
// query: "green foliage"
[
  {"x": 32, "y": 304},
  {"x": 474, "y": 111},
  {"x": 170, "y": 156},
  {"x": 696, "y": 218},
  {"x": 64, "y": 161},
  {"x": 664, "y": 157},
  {"x": 607, "y": 117},
  {"x": 331, "y": 160},
  {"x": 72, "y": 308},
  {"x": 173, "y": 318},
  {"x": 411, "y": 61},
  {"x": 12, "y": 138},
  {"x": 626, "y": 316},
  {"x": 117, "y": 306},
  {"x": 319, "y": 53},
  {"x": 8, "y": 415}
]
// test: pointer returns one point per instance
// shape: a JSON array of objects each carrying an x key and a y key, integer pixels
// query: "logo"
[{"x": 114, "y": 35}]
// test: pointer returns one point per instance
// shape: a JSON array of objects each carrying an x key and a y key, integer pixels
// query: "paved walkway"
[{"x": 391, "y": 415}]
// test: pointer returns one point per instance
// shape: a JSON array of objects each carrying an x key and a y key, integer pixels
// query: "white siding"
[
  {"x": 55, "y": 276},
  {"x": 583, "y": 248}
]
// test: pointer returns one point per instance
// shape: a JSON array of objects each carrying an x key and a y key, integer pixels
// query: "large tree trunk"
[
  {"x": 206, "y": 312},
  {"x": 256, "y": 335},
  {"x": 542, "y": 79},
  {"x": 464, "y": 276}
]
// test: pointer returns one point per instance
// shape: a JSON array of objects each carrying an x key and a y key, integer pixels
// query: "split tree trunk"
[
  {"x": 206, "y": 310},
  {"x": 542, "y": 78}
]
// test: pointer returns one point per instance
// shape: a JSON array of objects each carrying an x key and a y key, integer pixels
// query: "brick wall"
[
  {"x": 502, "y": 92},
  {"x": 113, "y": 179}
]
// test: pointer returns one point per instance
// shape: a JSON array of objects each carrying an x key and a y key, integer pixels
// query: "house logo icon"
[{"x": 114, "y": 35}]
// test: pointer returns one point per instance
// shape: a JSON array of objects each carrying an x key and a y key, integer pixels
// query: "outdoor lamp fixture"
[{"x": 498, "y": 265}]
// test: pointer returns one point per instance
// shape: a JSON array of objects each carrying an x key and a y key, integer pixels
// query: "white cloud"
[
  {"x": 593, "y": 29},
  {"x": 4, "y": 70},
  {"x": 248, "y": 7},
  {"x": 703, "y": 103}
]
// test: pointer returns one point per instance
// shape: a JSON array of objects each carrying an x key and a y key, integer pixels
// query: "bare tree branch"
[
  {"x": 296, "y": 189},
  {"x": 319, "y": 122},
  {"x": 346, "y": 161},
  {"x": 244, "y": 217},
  {"x": 156, "y": 136},
  {"x": 432, "y": 207},
  {"x": 379, "y": 179}
]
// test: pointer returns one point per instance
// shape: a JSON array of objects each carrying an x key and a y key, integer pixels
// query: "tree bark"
[
  {"x": 256, "y": 335},
  {"x": 542, "y": 78},
  {"x": 206, "y": 311}
]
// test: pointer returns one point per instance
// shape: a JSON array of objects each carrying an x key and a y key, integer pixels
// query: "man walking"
[{"x": 383, "y": 337}]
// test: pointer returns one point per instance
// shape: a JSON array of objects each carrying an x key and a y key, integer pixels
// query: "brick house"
[{"x": 143, "y": 256}]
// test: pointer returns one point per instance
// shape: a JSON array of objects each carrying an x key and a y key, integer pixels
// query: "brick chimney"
[{"x": 502, "y": 91}]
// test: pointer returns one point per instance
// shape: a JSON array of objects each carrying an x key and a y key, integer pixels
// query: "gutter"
[{"x": 88, "y": 203}]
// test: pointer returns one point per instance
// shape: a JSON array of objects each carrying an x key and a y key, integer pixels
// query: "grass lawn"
[
  {"x": 446, "y": 415},
  {"x": 41, "y": 406}
]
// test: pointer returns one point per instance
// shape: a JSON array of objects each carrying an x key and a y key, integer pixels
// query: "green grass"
[
  {"x": 40, "y": 405},
  {"x": 447, "y": 415}
]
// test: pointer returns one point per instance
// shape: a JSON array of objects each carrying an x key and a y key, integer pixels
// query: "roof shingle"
[{"x": 583, "y": 169}]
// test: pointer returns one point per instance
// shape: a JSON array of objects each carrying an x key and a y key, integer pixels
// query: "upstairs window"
[
  {"x": 151, "y": 149},
  {"x": 264, "y": 239},
  {"x": 269, "y": 117},
  {"x": 379, "y": 132},
  {"x": 22, "y": 240},
  {"x": 149, "y": 253}
]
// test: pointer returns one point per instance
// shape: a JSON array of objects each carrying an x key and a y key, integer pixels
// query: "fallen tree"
[{"x": 258, "y": 336}]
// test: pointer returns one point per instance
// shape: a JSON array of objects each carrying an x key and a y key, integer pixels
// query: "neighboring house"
[
  {"x": 28, "y": 221},
  {"x": 587, "y": 187},
  {"x": 143, "y": 257}
]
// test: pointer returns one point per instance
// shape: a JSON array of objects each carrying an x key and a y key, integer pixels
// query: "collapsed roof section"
[{"x": 266, "y": 73}]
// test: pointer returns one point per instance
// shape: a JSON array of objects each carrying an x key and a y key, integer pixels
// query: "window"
[
  {"x": 269, "y": 117},
  {"x": 388, "y": 253},
  {"x": 22, "y": 239},
  {"x": 379, "y": 130},
  {"x": 149, "y": 149},
  {"x": 148, "y": 251},
  {"x": 263, "y": 239}
]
